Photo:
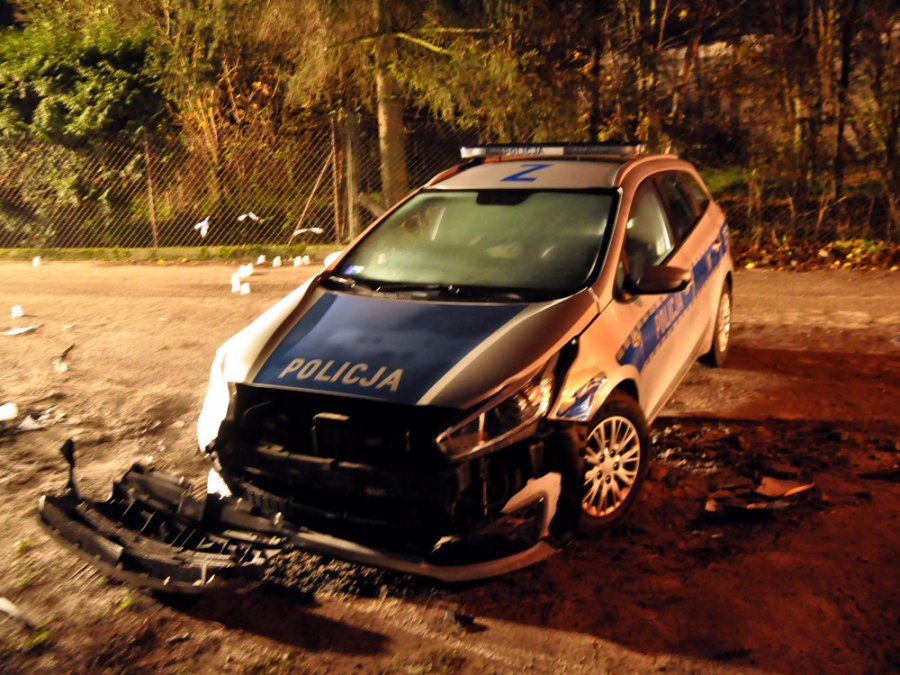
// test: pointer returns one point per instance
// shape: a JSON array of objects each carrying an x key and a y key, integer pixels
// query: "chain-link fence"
[{"x": 318, "y": 185}]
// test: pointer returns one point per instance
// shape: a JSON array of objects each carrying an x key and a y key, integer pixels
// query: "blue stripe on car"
[
  {"x": 657, "y": 324},
  {"x": 423, "y": 340}
]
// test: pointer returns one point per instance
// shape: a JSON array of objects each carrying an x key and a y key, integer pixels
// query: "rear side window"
[
  {"x": 695, "y": 193},
  {"x": 678, "y": 205},
  {"x": 647, "y": 237}
]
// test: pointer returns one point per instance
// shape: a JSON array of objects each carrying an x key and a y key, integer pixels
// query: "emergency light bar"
[{"x": 622, "y": 150}]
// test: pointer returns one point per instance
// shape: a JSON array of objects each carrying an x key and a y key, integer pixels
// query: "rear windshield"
[{"x": 537, "y": 240}]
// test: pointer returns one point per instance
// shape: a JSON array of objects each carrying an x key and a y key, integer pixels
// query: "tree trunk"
[
  {"x": 848, "y": 20},
  {"x": 391, "y": 133},
  {"x": 351, "y": 160}
]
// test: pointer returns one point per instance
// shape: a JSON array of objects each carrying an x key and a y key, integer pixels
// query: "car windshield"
[{"x": 518, "y": 240}]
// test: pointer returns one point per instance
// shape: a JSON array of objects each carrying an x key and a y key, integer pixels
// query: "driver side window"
[{"x": 648, "y": 239}]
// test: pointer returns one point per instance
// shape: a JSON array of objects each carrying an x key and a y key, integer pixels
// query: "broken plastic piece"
[
  {"x": 775, "y": 488},
  {"x": 17, "y": 311}
]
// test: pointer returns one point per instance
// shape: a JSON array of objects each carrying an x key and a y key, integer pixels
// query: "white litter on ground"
[
  {"x": 236, "y": 282},
  {"x": 245, "y": 288},
  {"x": 19, "y": 331},
  {"x": 298, "y": 261},
  {"x": 36, "y": 261},
  {"x": 276, "y": 261},
  {"x": 17, "y": 311},
  {"x": 8, "y": 411},
  {"x": 305, "y": 260},
  {"x": 261, "y": 260},
  {"x": 13, "y": 612},
  {"x": 31, "y": 424},
  {"x": 252, "y": 216}
]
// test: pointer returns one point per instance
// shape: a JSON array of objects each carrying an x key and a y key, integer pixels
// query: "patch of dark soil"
[{"x": 308, "y": 574}]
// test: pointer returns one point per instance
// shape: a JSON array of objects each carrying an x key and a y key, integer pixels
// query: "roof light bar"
[{"x": 554, "y": 150}]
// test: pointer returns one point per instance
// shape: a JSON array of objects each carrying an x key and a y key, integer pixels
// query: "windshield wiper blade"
[{"x": 404, "y": 286}]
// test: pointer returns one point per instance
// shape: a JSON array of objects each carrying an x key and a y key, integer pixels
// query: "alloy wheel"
[{"x": 612, "y": 459}]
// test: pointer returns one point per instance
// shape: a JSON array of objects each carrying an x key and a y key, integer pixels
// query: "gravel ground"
[{"x": 813, "y": 383}]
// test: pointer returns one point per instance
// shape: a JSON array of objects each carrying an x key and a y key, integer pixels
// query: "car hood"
[{"x": 414, "y": 352}]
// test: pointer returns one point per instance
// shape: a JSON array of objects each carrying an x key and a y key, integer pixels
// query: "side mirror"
[
  {"x": 661, "y": 279},
  {"x": 330, "y": 258}
]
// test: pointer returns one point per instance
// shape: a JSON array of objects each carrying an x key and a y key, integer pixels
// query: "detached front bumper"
[{"x": 152, "y": 533}]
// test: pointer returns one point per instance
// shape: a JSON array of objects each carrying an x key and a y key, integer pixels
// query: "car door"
[
  {"x": 706, "y": 246},
  {"x": 664, "y": 350}
]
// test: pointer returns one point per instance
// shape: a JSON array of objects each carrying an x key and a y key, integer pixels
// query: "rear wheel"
[
  {"x": 615, "y": 460},
  {"x": 716, "y": 356}
]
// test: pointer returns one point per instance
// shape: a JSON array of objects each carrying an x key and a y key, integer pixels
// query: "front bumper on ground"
[{"x": 152, "y": 533}]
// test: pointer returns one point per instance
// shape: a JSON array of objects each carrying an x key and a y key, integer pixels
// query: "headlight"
[
  {"x": 215, "y": 404},
  {"x": 493, "y": 427}
]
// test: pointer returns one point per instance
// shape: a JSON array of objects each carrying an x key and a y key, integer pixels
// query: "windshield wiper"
[{"x": 442, "y": 290}]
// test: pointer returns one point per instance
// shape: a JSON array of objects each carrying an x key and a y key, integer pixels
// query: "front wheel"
[{"x": 615, "y": 463}]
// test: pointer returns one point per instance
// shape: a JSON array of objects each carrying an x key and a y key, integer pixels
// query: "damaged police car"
[{"x": 465, "y": 386}]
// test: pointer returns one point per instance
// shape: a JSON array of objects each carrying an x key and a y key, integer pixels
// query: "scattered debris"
[
  {"x": 31, "y": 424},
  {"x": 252, "y": 216},
  {"x": 297, "y": 261},
  {"x": 16, "y": 614},
  {"x": 12, "y": 332},
  {"x": 245, "y": 288},
  {"x": 69, "y": 326},
  {"x": 245, "y": 271},
  {"x": 203, "y": 227},
  {"x": 36, "y": 261},
  {"x": 35, "y": 420},
  {"x": 305, "y": 260},
  {"x": 236, "y": 282},
  {"x": 8, "y": 411},
  {"x": 17, "y": 311},
  {"x": 891, "y": 475},
  {"x": 59, "y": 362},
  {"x": 261, "y": 260},
  {"x": 178, "y": 638},
  {"x": 771, "y": 494},
  {"x": 775, "y": 488},
  {"x": 276, "y": 261}
]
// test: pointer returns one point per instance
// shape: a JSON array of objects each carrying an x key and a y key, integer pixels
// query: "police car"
[{"x": 471, "y": 381}]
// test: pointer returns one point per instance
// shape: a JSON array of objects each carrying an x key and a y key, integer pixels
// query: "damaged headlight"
[
  {"x": 215, "y": 404},
  {"x": 492, "y": 427}
]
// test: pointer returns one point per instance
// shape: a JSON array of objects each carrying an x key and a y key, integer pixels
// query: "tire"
[
  {"x": 715, "y": 357},
  {"x": 606, "y": 497}
]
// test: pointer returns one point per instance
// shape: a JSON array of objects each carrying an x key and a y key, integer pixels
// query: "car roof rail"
[{"x": 617, "y": 150}]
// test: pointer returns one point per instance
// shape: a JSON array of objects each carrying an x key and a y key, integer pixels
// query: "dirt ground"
[{"x": 813, "y": 383}]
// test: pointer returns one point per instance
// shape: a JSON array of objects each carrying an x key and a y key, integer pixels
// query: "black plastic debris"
[
  {"x": 891, "y": 475},
  {"x": 154, "y": 534}
]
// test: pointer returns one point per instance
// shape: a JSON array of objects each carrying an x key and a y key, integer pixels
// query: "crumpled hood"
[{"x": 405, "y": 351}]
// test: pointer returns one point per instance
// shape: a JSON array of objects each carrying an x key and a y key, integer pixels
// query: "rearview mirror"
[{"x": 661, "y": 279}]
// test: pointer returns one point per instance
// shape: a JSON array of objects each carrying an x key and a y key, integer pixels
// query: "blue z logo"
[{"x": 522, "y": 176}]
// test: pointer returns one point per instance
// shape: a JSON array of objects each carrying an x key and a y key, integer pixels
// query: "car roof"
[{"x": 538, "y": 173}]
